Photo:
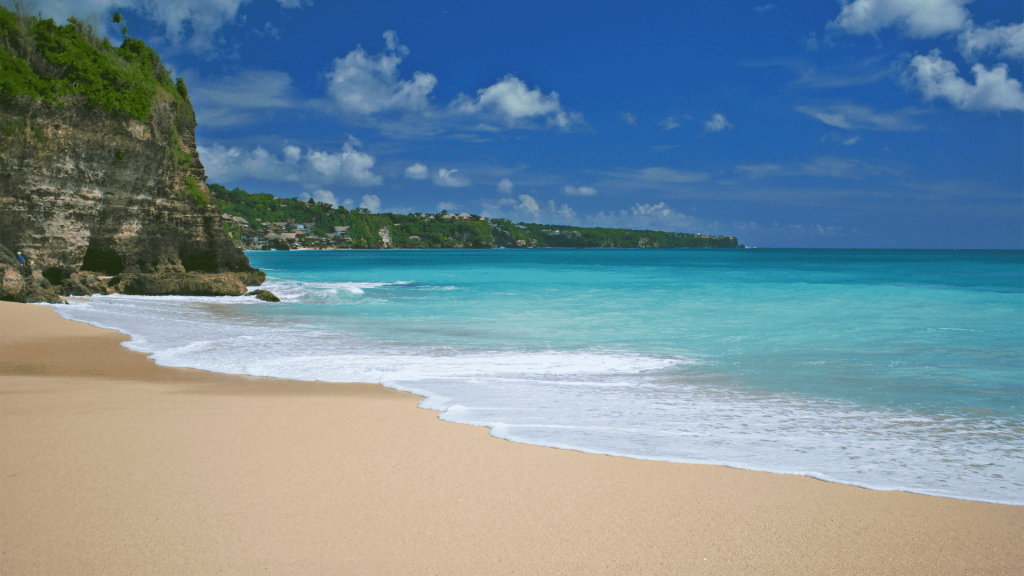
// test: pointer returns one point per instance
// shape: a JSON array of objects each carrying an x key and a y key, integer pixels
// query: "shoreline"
[
  {"x": 113, "y": 464},
  {"x": 422, "y": 395}
]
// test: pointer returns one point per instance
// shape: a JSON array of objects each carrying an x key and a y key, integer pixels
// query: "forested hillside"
[{"x": 264, "y": 221}]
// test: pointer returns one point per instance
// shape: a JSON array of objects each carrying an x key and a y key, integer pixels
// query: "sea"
[{"x": 885, "y": 369}]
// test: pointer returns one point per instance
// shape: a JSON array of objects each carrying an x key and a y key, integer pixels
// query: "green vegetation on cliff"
[
  {"x": 43, "y": 60},
  {"x": 272, "y": 222}
]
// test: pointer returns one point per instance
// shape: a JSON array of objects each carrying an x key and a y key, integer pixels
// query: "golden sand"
[{"x": 113, "y": 465}]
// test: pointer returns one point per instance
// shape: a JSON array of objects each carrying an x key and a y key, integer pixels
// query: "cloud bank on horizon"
[{"x": 867, "y": 123}]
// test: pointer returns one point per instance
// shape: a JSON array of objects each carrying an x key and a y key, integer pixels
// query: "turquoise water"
[{"x": 885, "y": 369}]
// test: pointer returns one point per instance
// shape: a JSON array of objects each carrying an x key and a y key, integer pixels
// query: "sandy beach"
[{"x": 113, "y": 465}]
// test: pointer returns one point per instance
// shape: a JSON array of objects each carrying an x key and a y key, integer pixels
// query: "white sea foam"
[{"x": 626, "y": 404}]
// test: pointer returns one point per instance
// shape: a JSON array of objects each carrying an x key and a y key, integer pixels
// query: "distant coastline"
[{"x": 265, "y": 222}]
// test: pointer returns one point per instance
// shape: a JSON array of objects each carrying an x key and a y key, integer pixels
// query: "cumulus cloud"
[
  {"x": 325, "y": 196},
  {"x": 853, "y": 117},
  {"x": 446, "y": 206},
  {"x": 370, "y": 87},
  {"x": 992, "y": 90},
  {"x": 1005, "y": 41},
  {"x": 917, "y": 18},
  {"x": 579, "y": 191},
  {"x": 371, "y": 202},
  {"x": 629, "y": 118},
  {"x": 657, "y": 216},
  {"x": 353, "y": 164},
  {"x": 417, "y": 172},
  {"x": 529, "y": 204},
  {"x": 450, "y": 179},
  {"x": 505, "y": 186},
  {"x": 512, "y": 102},
  {"x": 526, "y": 208},
  {"x": 564, "y": 212},
  {"x": 350, "y": 166},
  {"x": 717, "y": 123},
  {"x": 363, "y": 84},
  {"x": 292, "y": 154}
]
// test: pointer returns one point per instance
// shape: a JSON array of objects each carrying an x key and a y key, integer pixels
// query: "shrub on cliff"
[{"x": 42, "y": 60}]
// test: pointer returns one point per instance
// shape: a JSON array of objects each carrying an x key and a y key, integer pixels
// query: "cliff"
[{"x": 101, "y": 187}]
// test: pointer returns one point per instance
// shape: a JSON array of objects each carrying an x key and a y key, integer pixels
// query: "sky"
[{"x": 835, "y": 124}]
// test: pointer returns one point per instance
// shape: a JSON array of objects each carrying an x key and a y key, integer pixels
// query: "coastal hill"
[
  {"x": 101, "y": 187},
  {"x": 264, "y": 222}
]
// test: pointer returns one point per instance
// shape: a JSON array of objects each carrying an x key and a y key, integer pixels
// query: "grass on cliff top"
[{"x": 43, "y": 60}]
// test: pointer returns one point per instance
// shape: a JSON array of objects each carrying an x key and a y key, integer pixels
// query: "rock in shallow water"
[{"x": 265, "y": 295}]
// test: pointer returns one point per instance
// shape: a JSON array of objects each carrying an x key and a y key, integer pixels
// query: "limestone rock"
[
  {"x": 86, "y": 191},
  {"x": 265, "y": 295}
]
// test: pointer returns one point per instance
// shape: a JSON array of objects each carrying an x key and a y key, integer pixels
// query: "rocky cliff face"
[{"x": 100, "y": 202}]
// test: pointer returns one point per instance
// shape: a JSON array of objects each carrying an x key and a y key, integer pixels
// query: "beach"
[{"x": 113, "y": 465}]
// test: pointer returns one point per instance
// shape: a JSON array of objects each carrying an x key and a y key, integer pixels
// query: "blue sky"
[{"x": 871, "y": 123}]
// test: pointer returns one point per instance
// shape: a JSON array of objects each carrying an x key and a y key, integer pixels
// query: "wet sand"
[{"x": 110, "y": 464}]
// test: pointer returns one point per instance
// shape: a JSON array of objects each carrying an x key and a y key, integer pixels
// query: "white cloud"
[
  {"x": 292, "y": 154},
  {"x": 350, "y": 166},
  {"x": 851, "y": 141},
  {"x": 563, "y": 213},
  {"x": 629, "y": 118},
  {"x": 529, "y": 204},
  {"x": 526, "y": 208},
  {"x": 717, "y": 123},
  {"x": 512, "y": 102},
  {"x": 242, "y": 99},
  {"x": 449, "y": 206},
  {"x": 993, "y": 90},
  {"x": 658, "y": 216},
  {"x": 450, "y": 179},
  {"x": 1006, "y": 41},
  {"x": 417, "y": 172},
  {"x": 362, "y": 84},
  {"x": 765, "y": 8},
  {"x": 351, "y": 163},
  {"x": 371, "y": 202},
  {"x": 320, "y": 196},
  {"x": 669, "y": 123},
  {"x": 853, "y": 117},
  {"x": 917, "y": 18},
  {"x": 218, "y": 160},
  {"x": 505, "y": 186},
  {"x": 580, "y": 191}
]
